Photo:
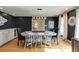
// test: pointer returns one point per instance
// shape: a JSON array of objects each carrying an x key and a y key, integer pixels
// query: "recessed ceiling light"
[
  {"x": 39, "y": 9},
  {"x": 1, "y": 8},
  {"x": 66, "y": 8}
]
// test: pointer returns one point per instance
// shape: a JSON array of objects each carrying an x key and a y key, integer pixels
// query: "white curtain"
[
  {"x": 63, "y": 26},
  {"x": 77, "y": 24}
]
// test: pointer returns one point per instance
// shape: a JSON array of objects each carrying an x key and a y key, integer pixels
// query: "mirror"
[{"x": 38, "y": 25}]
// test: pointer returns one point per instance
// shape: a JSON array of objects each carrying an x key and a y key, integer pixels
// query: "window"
[{"x": 61, "y": 26}]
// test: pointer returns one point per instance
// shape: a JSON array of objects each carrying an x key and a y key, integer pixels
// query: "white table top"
[{"x": 49, "y": 33}]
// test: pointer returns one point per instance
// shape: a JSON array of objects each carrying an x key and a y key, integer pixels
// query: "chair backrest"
[{"x": 19, "y": 31}]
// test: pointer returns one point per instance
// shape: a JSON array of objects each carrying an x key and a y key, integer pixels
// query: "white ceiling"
[{"x": 32, "y": 10}]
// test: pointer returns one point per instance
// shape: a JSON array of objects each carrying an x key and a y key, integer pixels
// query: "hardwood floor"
[{"x": 63, "y": 46}]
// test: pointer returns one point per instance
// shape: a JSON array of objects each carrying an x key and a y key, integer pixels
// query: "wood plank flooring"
[{"x": 63, "y": 46}]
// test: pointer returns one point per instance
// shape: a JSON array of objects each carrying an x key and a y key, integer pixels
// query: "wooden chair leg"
[
  {"x": 23, "y": 44},
  {"x": 36, "y": 43},
  {"x": 18, "y": 43},
  {"x": 57, "y": 41},
  {"x": 51, "y": 41},
  {"x": 41, "y": 42},
  {"x": 21, "y": 41},
  {"x": 31, "y": 42}
]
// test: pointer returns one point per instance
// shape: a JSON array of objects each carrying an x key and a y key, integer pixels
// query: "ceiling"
[{"x": 32, "y": 10}]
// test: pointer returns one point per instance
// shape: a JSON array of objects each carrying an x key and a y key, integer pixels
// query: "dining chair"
[
  {"x": 28, "y": 40},
  {"x": 38, "y": 39},
  {"x": 55, "y": 37},
  {"x": 20, "y": 37},
  {"x": 48, "y": 39}
]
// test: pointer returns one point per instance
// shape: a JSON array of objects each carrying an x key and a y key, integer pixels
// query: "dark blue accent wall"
[
  {"x": 25, "y": 23},
  {"x": 55, "y": 19},
  {"x": 14, "y": 22}
]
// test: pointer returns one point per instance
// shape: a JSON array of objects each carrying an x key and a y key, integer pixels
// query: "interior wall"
[
  {"x": 55, "y": 19},
  {"x": 25, "y": 23}
]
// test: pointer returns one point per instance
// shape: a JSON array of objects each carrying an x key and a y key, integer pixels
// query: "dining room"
[{"x": 36, "y": 28}]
